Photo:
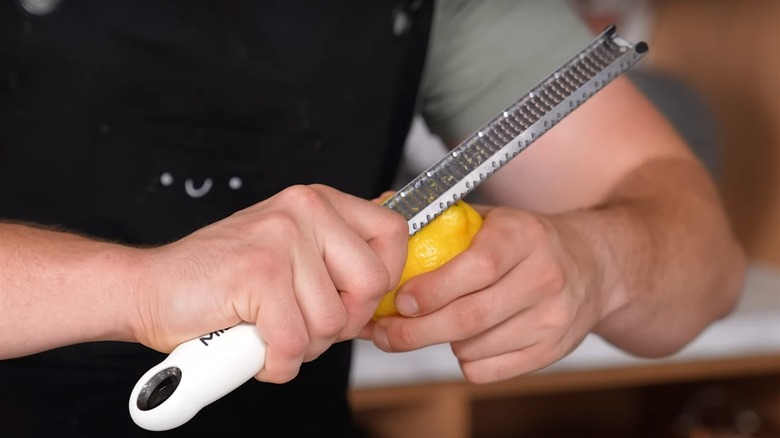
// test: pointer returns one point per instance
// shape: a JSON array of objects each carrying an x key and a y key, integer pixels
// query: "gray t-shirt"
[{"x": 485, "y": 54}]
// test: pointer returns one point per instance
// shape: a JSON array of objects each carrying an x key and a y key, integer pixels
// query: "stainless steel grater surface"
[{"x": 464, "y": 168}]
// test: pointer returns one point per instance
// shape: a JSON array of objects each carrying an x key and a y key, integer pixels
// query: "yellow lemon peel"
[{"x": 446, "y": 236}]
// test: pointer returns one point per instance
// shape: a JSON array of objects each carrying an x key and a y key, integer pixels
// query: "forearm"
[
  {"x": 669, "y": 264},
  {"x": 58, "y": 289}
]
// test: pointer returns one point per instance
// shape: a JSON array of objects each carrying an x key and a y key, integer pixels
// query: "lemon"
[{"x": 446, "y": 236}]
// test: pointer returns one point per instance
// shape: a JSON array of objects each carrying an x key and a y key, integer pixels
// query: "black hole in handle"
[{"x": 159, "y": 388}]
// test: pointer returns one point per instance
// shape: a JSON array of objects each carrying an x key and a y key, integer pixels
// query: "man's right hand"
[{"x": 308, "y": 266}]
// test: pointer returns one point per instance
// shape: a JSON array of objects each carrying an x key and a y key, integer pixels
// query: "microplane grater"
[
  {"x": 200, "y": 371},
  {"x": 464, "y": 168}
]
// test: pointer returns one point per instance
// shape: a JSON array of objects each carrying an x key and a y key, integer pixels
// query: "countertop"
[{"x": 752, "y": 329}]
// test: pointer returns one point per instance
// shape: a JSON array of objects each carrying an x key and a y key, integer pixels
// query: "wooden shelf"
[{"x": 622, "y": 401}]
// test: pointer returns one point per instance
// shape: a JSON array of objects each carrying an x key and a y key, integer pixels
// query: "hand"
[
  {"x": 520, "y": 298},
  {"x": 308, "y": 265}
]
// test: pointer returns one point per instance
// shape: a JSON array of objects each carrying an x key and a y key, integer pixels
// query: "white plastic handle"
[{"x": 195, "y": 374}]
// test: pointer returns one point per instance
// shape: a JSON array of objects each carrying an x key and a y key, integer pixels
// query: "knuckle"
[
  {"x": 348, "y": 334},
  {"x": 294, "y": 346},
  {"x": 353, "y": 327},
  {"x": 552, "y": 278},
  {"x": 477, "y": 372},
  {"x": 404, "y": 338},
  {"x": 306, "y": 197},
  {"x": 486, "y": 261},
  {"x": 329, "y": 323},
  {"x": 375, "y": 282},
  {"x": 557, "y": 317},
  {"x": 470, "y": 373},
  {"x": 463, "y": 352},
  {"x": 469, "y": 319},
  {"x": 396, "y": 225},
  {"x": 279, "y": 223},
  {"x": 282, "y": 375}
]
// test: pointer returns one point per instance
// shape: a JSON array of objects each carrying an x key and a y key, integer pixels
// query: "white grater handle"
[{"x": 195, "y": 374}]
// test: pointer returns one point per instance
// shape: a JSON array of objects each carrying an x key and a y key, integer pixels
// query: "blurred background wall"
[{"x": 728, "y": 53}]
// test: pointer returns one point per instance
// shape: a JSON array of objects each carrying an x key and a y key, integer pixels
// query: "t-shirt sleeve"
[{"x": 484, "y": 55}]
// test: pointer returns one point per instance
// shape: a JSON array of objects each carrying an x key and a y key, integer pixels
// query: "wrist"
[
  {"x": 583, "y": 234},
  {"x": 123, "y": 289}
]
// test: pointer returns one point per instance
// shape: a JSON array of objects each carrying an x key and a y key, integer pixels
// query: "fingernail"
[
  {"x": 407, "y": 305},
  {"x": 380, "y": 338}
]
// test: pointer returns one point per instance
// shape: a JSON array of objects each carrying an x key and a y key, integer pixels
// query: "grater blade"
[{"x": 460, "y": 171}]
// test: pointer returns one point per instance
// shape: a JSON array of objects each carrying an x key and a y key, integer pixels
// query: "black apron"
[{"x": 141, "y": 121}]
